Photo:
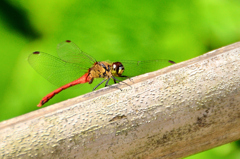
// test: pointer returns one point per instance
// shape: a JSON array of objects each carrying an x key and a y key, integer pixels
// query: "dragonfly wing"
[
  {"x": 134, "y": 68},
  {"x": 55, "y": 70},
  {"x": 70, "y": 52}
]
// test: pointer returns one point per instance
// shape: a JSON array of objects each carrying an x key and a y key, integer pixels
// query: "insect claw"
[{"x": 115, "y": 87}]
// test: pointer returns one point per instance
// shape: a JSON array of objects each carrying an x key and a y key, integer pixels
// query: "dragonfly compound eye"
[
  {"x": 120, "y": 70},
  {"x": 117, "y": 68}
]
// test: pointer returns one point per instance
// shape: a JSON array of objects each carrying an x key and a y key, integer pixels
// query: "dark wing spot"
[
  {"x": 171, "y": 61},
  {"x": 36, "y": 52},
  {"x": 68, "y": 41}
]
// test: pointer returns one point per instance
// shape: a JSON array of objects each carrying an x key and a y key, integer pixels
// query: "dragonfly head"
[{"x": 117, "y": 69}]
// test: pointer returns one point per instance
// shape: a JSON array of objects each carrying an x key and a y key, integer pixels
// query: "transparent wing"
[
  {"x": 134, "y": 68},
  {"x": 55, "y": 70},
  {"x": 70, "y": 52}
]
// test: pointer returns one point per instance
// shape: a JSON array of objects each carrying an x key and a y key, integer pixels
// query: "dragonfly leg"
[
  {"x": 107, "y": 82},
  {"x": 111, "y": 85},
  {"x": 99, "y": 84}
]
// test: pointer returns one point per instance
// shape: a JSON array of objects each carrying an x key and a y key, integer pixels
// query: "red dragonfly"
[{"x": 76, "y": 67}]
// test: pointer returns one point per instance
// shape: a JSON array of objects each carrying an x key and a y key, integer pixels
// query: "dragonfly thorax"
[
  {"x": 106, "y": 70},
  {"x": 100, "y": 70}
]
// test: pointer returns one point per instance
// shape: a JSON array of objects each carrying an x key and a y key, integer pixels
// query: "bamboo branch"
[{"x": 171, "y": 113}]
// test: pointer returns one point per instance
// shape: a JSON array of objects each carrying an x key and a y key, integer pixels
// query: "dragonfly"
[{"x": 73, "y": 67}]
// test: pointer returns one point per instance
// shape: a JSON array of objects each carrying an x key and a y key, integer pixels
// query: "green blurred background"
[{"x": 130, "y": 30}]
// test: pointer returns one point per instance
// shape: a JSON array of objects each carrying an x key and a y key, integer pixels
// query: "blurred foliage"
[{"x": 130, "y": 30}]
